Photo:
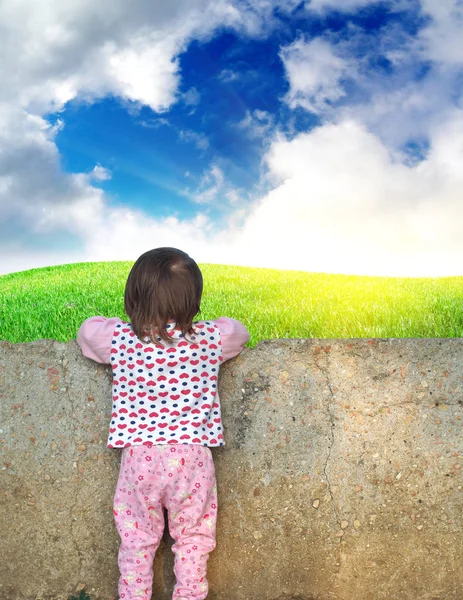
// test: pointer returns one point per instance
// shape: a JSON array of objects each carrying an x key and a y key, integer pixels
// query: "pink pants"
[{"x": 182, "y": 479}]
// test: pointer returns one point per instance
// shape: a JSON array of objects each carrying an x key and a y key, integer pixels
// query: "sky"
[{"x": 317, "y": 135}]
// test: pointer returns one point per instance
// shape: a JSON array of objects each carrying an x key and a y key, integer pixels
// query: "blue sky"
[{"x": 324, "y": 135}]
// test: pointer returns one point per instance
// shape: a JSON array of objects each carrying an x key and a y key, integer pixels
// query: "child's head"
[{"x": 164, "y": 285}]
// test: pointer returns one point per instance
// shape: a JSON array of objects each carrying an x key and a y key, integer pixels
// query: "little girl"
[{"x": 165, "y": 417}]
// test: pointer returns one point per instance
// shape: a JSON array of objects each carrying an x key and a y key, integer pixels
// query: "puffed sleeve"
[
  {"x": 95, "y": 336},
  {"x": 233, "y": 335}
]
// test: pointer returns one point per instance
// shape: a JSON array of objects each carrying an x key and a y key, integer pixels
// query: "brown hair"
[{"x": 164, "y": 285}]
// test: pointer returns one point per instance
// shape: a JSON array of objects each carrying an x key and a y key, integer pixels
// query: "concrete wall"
[{"x": 341, "y": 478}]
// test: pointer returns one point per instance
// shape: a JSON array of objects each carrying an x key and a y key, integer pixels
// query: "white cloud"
[
  {"x": 315, "y": 74},
  {"x": 198, "y": 139},
  {"x": 344, "y": 205},
  {"x": 257, "y": 123},
  {"x": 342, "y": 202},
  {"x": 339, "y": 5},
  {"x": 55, "y": 50},
  {"x": 441, "y": 39},
  {"x": 212, "y": 182},
  {"x": 99, "y": 173}
]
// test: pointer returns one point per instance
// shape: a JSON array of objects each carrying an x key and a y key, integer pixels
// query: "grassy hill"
[{"x": 52, "y": 302}]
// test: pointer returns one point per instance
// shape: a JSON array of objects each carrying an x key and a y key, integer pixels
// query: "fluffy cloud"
[
  {"x": 345, "y": 204},
  {"x": 441, "y": 38},
  {"x": 314, "y": 73},
  {"x": 340, "y": 5},
  {"x": 342, "y": 201},
  {"x": 54, "y": 50}
]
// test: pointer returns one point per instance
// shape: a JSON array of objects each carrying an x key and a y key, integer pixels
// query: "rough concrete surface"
[{"x": 341, "y": 478}]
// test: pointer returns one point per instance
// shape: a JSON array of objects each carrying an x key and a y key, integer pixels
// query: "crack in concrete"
[
  {"x": 330, "y": 446},
  {"x": 325, "y": 371},
  {"x": 67, "y": 384}
]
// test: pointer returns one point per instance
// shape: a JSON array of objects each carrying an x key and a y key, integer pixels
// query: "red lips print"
[
  {"x": 164, "y": 410},
  {"x": 160, "y": 361},
  {"x": 172, "y": 364}
]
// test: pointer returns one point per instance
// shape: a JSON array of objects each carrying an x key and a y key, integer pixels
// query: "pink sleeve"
[
  {"x": 233, "y": 336},
  {"x": 95, "y": 336}
]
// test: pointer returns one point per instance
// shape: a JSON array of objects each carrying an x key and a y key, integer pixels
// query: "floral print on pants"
[{"x": 182, "y": 479}]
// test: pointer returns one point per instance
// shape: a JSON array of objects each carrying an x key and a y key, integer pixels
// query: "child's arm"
[
  {"x": 233, "y": 335},
  {"x": 95, "y": 336}
]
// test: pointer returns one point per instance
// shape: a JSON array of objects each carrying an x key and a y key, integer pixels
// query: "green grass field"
[{"x": 52, "y": 302}]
